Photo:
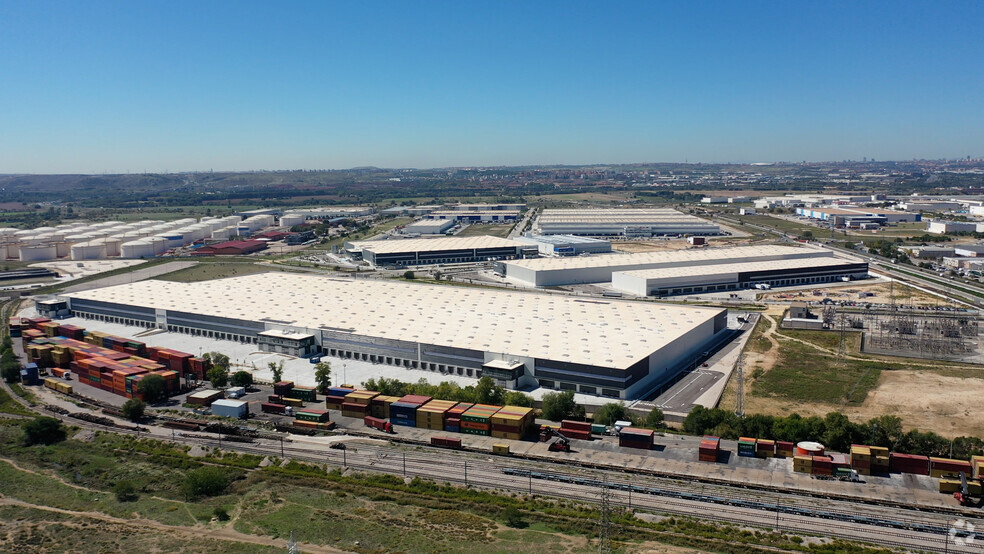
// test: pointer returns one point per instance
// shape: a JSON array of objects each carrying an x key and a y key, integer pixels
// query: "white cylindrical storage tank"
[
  {"x": 289, "y": 220},
  {"x": 26, "y": 233},
  {"x": 62, "y": 249},
  {"x": 3, "y": 251},
  {"x": 30, "y": 240},
  {"x": 221, "y": 234},
  {"x": 8, "y": 231},
  {"x": 132, "y": 235},
  {"x": 43, "y": 229},
  {"x": 137, "y": 249},
  {"x": 38, "y": 253},
  {"x": 113, "y": 246},
  {"x": 95, "y": 250},
  {"x": 159, "y": 244},
  {"x": 184, "y": 222},
  {"x": 13, "y": 251},
  {"x": 173, "y": 238}
]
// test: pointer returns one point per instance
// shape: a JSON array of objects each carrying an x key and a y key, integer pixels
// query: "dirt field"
[
  {"x": 882, "y": 292},
  {"x": 631, "y": 247},
  {"x": 939, "y": 398}
]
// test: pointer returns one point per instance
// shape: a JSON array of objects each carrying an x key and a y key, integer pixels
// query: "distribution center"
[{"x": 617, "y": 349}]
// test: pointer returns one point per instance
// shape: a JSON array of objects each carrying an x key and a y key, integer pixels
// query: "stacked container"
[
  {"x": 861, "y": 459},
  {"x": 511, "y": 422},
  {"x": 404, "y": 412},
  {"x": 478, "y": 420},
  {"x": 803, "y": 464},
  {"x": 310, "y": 414},
  {"x": 977, "y": 464},
  {"x": 765, "y": 448},
  {"x": 379, "y": 406},
  {"x": 709, "y": 449},
  {"x": 879, "y": 459},
  {"x": 335, "y": 397},
  {"x": 352, "y": 409},
  {"x": 635, "y": 438},
  {"x": 822, "y": 465},
  {"x": 746, "y": 447},
  {"x": 363, "y": 397},
  {"x": 307, "y": 394},
  {"x": 784, "y": 449},
  {"x": 452, "y": 421},
  {"x": 283, "y": 388},
  {"x": 945, "y": 467},
  {"x": 432, "y": 415},
  {"x": 576, "y": 429}
]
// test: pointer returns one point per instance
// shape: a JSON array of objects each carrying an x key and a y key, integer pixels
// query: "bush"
[
  {"x": 513, "y": 517},
  {"x": 610, "y": 413},
  {"x": 242, "y": 379},
  {"x": 655, "y": 418},
  {"x": 221, "y": 514},
  {"x": 153, "y": 388},
  {"x": 133, "y": 409},
  {"x": 561, "y": 405},
  {"x": 43, "y": 430},
  {"x": 409, "y": 275},
  {"x": 206, "y": 481},
  {"x": 125, "y": 491},
  {"x": 219, "y": 376}
]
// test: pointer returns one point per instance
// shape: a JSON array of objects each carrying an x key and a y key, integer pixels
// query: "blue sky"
[{"x": 181, "y": 86}]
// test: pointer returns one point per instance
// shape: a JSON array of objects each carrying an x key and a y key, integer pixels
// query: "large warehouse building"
[
  {"x": 545, "y": 272},
  {"x": 408, "y": 252},
  {"x": 622, "y": 222},
  {"x": 567, "y": 245},
  {"x": 733, "y": 276},
  {"x": 617, "y": 349}
]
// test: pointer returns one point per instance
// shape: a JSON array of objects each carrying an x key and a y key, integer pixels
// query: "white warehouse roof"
[
  {"x": 432, "y": 245},
  {"x": 606, "y": 333}
]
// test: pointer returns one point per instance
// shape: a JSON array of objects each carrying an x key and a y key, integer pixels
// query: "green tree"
[
  {"x": 153, "y": 388},
  {"x": 516, "y": 398},
  {"x": 609, "y": 413},
  {"x": 43, "y": 430},
  {"x": 241, "y": 379},
  {"x": 655, "y": 418},
  {"x": 322, "y": 375},
  {"x": 125, "y": 491},
  {"x": 219, "y": 376},
  {"x": 278, "y": 371},
  {"x": 10, "y": 371},
  {"x": 487, "y": 392},
  {"x": 561, "y": 405},
  {"x": 217, "y": 359},
  {"x": 133, "y": 409},
  {"x": 206, "y": 481},
  {"x": 513, "y": 517}
]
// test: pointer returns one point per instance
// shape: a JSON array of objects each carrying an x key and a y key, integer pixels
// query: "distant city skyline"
[{"x": 102, "y": 86}]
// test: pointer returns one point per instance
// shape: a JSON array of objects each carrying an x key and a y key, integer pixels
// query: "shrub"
[
  {"x": 43, "y": 430},
  {"x": 206, "y": 481},
  {"x": 133, "y": 409},
  {"x": 125, "y": 491}
]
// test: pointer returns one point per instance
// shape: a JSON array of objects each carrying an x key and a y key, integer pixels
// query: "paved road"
[
  {"x": 130, "y": 277},
  {"x": 680, "y": 397}
]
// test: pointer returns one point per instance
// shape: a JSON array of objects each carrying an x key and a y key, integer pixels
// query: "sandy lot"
[
  {"x": 927, "y": 400},
  {"x": 881, "y": 290},
  {"x": 649, "y": 246}
]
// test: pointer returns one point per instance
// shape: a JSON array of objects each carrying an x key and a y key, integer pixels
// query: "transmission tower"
[
  {"x": 740, "y": 397},
  {"x": 292, "y": 545},
  {"x": 605, "y": 531}
]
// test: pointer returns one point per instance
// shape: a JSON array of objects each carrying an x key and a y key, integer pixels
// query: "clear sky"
[{"x": 94, "y": 86}]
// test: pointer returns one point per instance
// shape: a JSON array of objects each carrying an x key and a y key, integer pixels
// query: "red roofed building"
[{"x": 232, "y": 248}]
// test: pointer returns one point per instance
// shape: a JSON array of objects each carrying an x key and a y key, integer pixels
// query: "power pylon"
[{"x": 740, "y": 397}]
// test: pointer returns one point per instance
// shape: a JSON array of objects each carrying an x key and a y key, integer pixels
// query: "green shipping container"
[{"x": 597, "y": 429}]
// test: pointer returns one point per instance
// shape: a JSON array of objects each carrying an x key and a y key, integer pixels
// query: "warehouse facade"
[
  {"x": 599, "y": 269},
  {"x": 735, "y": 276},
  {"x": 616, "y": 349},
  {"x": 411, "y": 252},
  {"x": 622, "y": 222}
]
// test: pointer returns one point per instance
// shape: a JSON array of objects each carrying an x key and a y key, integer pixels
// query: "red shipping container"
[{"x": 578, "y": 425}]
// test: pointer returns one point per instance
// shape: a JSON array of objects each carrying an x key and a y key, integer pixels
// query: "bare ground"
[{"x": 943, "y": 399}]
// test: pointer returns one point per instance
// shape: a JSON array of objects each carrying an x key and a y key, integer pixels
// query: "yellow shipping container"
[
  {"x": 878, "y": 451},
  {"x": 295, "y": 402},
  {"x": 507, "y": 435},
  {"x": 949, "y": 485},
  {"x": 500, "y": 449},
  {"x": 977, "y": 463}
]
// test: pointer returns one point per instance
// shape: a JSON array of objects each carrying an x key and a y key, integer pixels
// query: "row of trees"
[
  {"x": 485, "y": 391},
  {"x": 9, "y": 364},
  {"x": 835, "y": 431}
]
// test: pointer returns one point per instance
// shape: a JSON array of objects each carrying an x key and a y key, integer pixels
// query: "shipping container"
[
  {"x": 378, "y": 423},
  {"x": 501, "y": 449},
  {"x": 308, "y": 414},
  {"x": 446, "y": 442},
  {"x": 270, "y": 408}
]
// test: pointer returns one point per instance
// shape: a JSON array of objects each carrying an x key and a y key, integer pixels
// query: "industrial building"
[
  {"x": 854, "y": 217},
  {"x": 232, "y": 248},
  {"x": 410, "y": 252},
  {"x": 939, "y": 227},
  {"x": 473, "y": 216},
  {"x": 622, "y": 222},
  {"x": 734, "y": 276},
  {"x": 485, "y": 207},
  {"x": 543, "y": 272},
  {"x": 567, "y": 245},
  {"x": 429, "y": 227},
  {"x": 610, "y": 348}
]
